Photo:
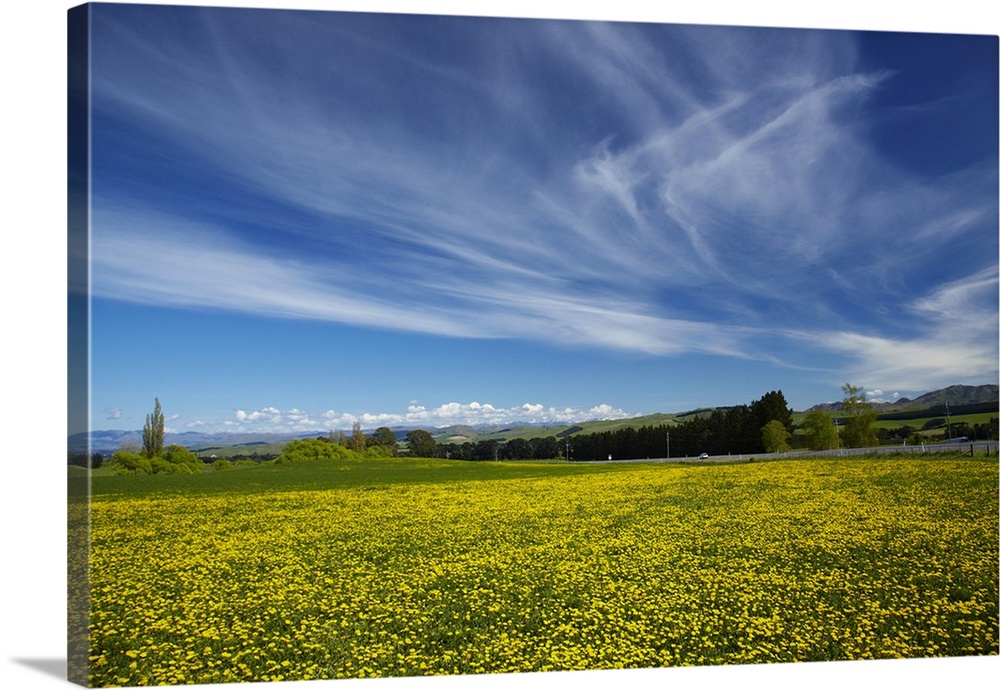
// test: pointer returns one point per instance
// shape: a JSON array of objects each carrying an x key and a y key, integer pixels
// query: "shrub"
[
  {"x": 127, "y": 462},
  {"x": 311, "y": 449},
  {"x": 183, "y": 460},
  {"x": 378, "y": 452}
]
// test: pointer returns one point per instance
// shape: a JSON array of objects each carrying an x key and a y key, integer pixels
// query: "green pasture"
[{"x": 267, "y": 477}]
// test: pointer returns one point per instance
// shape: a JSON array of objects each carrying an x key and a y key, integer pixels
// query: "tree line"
[
  {"x": 763, "y": 426},
  {"x": 541, "y": 448},
  {"x": 381, "y": 443},
  {"x": 419, "y": 443}
]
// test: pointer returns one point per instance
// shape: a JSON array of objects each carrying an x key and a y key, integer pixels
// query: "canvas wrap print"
[{"x": 407, "y": 345}]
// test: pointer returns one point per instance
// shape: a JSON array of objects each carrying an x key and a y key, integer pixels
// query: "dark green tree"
[
  {"x": 517, "y": 449},
  {"x": 152, "y": 433},
  {"x": 420, "y": 444},
  {"x": 385, "y": 438},
  {"x": 733, "y": 430},
  {"x": 487, "y": 449},
  {"x": 544, "y": 448},
  {"x": 771, "y": 405}
]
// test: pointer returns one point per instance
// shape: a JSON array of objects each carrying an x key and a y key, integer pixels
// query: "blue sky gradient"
[{"x": 303, "y": 219}]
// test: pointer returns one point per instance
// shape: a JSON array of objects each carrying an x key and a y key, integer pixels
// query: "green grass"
[
  {"x": 328, "y": 475},
  {"x": 267, "y": 477},
  {"x": 930, "y": 434},
  {"x": 970, "y": 419}
]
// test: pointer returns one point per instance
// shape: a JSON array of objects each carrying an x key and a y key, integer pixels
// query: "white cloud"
[
  {"x": 876, "y": 396},
  {"x": 268, "y": 414},
  {"x": 967, "y": 304},
  {"x": 158, "y": 259},
  {"x": 916, "y": 364},
  {"x": 271, "y": 419},
  {"x": 955, "y": 340},
  {"x": 112, "y": 413}
]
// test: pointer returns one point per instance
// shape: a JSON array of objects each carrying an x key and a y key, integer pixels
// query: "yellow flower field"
[{"x": 632, "y": 566}]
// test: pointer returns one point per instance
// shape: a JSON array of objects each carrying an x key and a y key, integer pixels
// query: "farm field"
[{"x": 417, "y": 567}]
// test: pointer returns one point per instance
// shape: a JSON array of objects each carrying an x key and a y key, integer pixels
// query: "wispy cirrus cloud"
[
  {"x": 170, "y": 262},
  {"x": 955, "y": 341},
  {"x": 157, "y": 259},
  {"x": 686, "y": 190}
]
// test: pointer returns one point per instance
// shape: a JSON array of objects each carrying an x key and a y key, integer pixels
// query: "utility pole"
[{"x": 668, "y": 445}]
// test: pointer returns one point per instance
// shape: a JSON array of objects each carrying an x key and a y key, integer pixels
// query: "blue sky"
[{"x": 303, "y": 219}]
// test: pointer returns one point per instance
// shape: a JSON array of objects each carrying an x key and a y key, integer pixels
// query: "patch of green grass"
[
  {"x": 332, "y": 475},
  {"x": 970, "y": 419}
]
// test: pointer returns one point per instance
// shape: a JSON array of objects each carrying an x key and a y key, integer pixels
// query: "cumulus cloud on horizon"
[{"x": 473, "y": 413}]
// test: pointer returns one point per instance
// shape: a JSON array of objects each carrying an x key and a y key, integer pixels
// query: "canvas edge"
[{"x": 78, "y": 338}]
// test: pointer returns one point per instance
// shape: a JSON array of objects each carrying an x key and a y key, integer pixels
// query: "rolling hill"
[{"x": 952, "y": 395}]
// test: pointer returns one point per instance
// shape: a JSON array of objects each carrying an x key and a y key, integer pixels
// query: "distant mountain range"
[
  {"x": 108, "y": 441},
  {"x": 952, "y": 395}
]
